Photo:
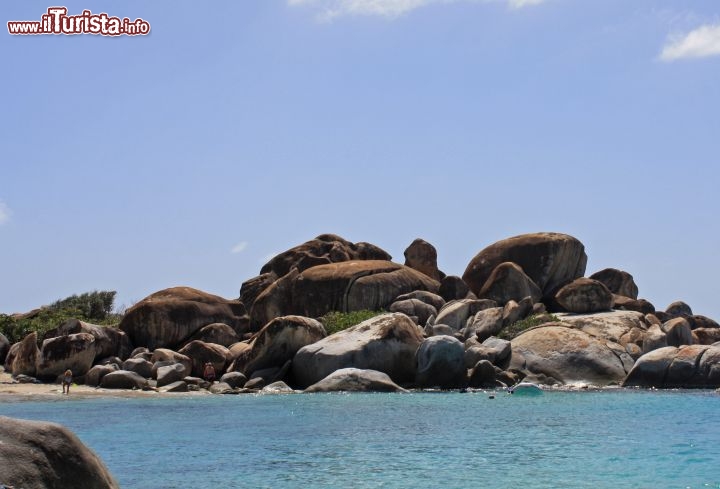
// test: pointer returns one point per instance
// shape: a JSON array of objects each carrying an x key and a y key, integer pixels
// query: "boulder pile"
[{"x": 524, "y": 309}]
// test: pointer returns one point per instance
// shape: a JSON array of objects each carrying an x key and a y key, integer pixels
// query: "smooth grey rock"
[{"x": 356, "y": 380}]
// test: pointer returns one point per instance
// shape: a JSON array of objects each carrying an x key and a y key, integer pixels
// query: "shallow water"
[{"x": 605, "y": 439}]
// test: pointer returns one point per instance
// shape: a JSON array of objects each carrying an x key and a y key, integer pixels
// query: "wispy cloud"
[
  {"x": 699, "y": 43},
  {"x": 240, "y": 247},
  {"x": 5, "y": 213},
  {"x": 390, "y": 9}
]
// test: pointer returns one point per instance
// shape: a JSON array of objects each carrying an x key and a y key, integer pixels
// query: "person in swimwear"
[
  {"x": 66, "y": 381},
  {"x": 209, "y": 372}
]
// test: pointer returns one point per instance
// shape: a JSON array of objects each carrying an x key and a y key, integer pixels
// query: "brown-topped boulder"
[
  {"x": 627, "y": 304},
  {"x": 75, "y": 352},
  {"x": 277, "y": 343},
  {"x": 41, "y": 455},
  {"x": 706, "y": 336},
  {"x": 508, "y": 282},
  {"x": 422, "y": 256},
  {"x": 218, "y": 333},
  {"x": 453, "y": 288},
  {"x": 569, "y": 355},
  {"x": 346, "y": 286},
  {"x": 428, "y": 298},
  {"x": 109, "y": 341},
  {"x": 123, "y": 379},
  {"x": 584, "y": 295},
  {"x": 551, "y": 260},
  {"x": 168, "y": 318},
  {"x": 323, "y": 250},
  {"x": 200, "y": 353},
  {"x": 386, "y": 343},
  {"x": 692, "y": 366},
  {"x": 23, "y": 356},
  {"x": 678, "y": 309},
  {"x": 698, "y": 321},
  {"x": 618, "y": 281}
]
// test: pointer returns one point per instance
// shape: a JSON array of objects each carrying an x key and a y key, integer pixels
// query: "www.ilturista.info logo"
[{"x": 57, "y": 21}]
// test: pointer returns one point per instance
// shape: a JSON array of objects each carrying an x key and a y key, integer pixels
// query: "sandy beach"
[{"x": 10, "y": 390}]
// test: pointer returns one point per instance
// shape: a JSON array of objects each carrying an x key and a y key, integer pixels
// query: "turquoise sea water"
[{"x": 608, "y": 439}]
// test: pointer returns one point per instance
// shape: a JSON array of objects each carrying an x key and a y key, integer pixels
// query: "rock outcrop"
[
  {"x": 617, "y": 281},
  {"x": 692, "y": 366},
  {"x": 123, "y": 379},
  {"x": 585, "y": 295},
  {"x": 356, "y": 380},
  {"x": 200, "y": 353},
  {"x": 4, "y": 348},
  {"x": 168, "y": 318},
  {"x": 23, "y": 356},
  {"x": 345, "y": 286},
  {"x": 40, "y": 455},
  {"x": 508, "y": 282},
  {"x": 386, "y": 343},
  {"x": 75, "y": 352},
  {"x": 109, "y": 341},
  {"x": 569, "y": 355},
  {"x": 422, "y": 256},
  {"x": 441, "y": 362},
  {"x": 278, "y": 342},
  {"x": 551, "y": 260}
]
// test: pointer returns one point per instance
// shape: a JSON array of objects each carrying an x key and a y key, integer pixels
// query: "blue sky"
[{"x": 233, "y": 132}]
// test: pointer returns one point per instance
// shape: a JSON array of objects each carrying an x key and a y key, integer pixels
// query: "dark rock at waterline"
[
  {"x": 356, "y": 380},
  {"x": 169, "y": 317},
  {"x": 234, "y": 379},
  {"x": 123, "y": 379},
  {"x": 441, "y": 362},
  {"x": 177, "y": 386},
  {"x": 386, "y": 343},
  {"x": 551, "y": 260},
  {"x": 618, "y": 282},
  {"x": 41, "y": 455}
]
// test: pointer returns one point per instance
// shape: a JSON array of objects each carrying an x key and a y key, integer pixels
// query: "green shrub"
[
  {"x": 93, "y": 307},
  {"x": 519, "y": 327},
  {"x": 338, "y": 321}
]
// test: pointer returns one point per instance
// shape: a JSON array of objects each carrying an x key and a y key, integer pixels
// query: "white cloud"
[
  {"x": 5, "y": 213},
  {"x": 240, "y": 247},
  {"x": 699, "y": 43},
  {"x": 390, "y": 9}
]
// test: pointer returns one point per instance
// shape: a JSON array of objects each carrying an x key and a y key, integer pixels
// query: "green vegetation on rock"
[
  {"x": 94, "y": 307},
  {"x": 339, "y": 321},
  {"x": 519, "y": 327}
]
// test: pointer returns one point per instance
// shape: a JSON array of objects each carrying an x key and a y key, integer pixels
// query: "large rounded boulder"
[
  {"x": 386, "y": 343},
  {"x": 691, "y": 366},
  {"x": 422, "y": 256},
  {"x": 40, "y": 455},
  {"x": 355, "y": 380},
  {"x": 569, "y": 355},
  {"x": 201, "y": 353},
  {"x": 584, "y": 296},
  {"x": 346, "y": 286},
  {"x": 4, "y": 348},
  {"x": 170, "y": 317},
  {"x": 618, "y": 281},
  {"x": 278, "y": 342},
  {"x": 551, "y": 260},
  {"x": 23, "y": 356},
  {"x": 75, "y": 352},
  {"x": 508, "y": 282},
  {"x": 109, "y": 341},
  {"x": 441, "y": 362},
  {"x": 323, "y": 250}
]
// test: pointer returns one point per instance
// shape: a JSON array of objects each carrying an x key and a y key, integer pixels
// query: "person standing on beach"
[
  {"x": 209, "y": 372},
  {"x": 66, "y": 381}
]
